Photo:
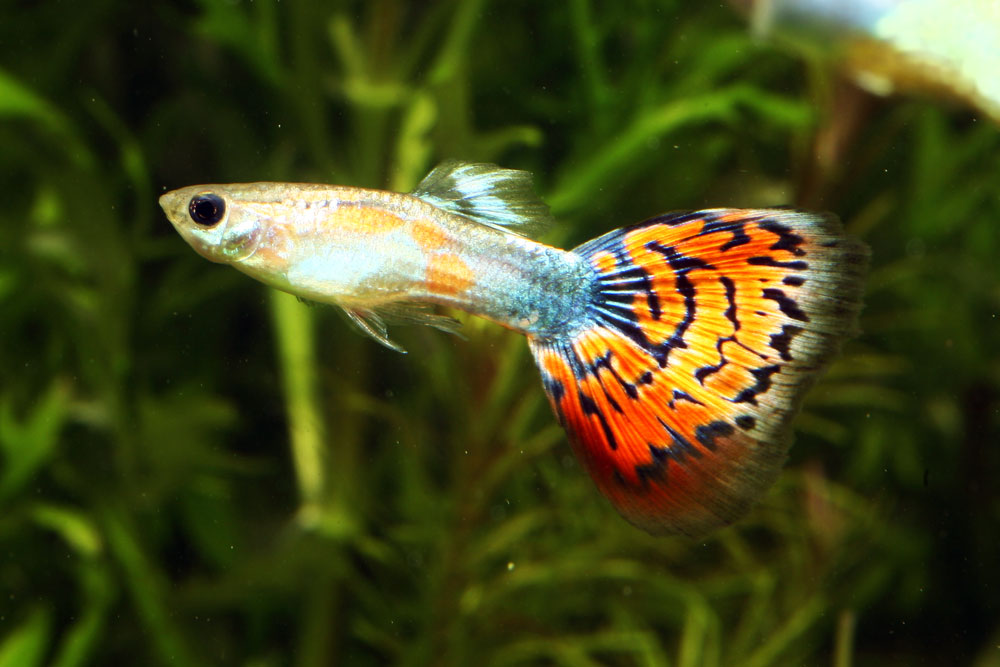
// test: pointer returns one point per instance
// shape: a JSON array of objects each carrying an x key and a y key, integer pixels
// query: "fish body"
[
  {"x": 372, "y": 251},
  {"x": 674, "y": 352}
]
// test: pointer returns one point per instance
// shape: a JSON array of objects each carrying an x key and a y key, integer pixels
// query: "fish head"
[{"x": 215, "y": 221}]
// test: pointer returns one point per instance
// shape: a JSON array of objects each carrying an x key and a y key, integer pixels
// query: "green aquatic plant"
[{"x": 197, "y": 471}]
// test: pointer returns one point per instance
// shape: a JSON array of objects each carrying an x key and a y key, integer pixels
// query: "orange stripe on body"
[
  {"x": 364, "y": 220},
  {"x": 448, "y": 274},
  {"x": 429, "y": 235}
]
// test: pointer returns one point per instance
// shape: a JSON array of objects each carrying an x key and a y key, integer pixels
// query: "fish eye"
[{"x": 207, "y": 209}]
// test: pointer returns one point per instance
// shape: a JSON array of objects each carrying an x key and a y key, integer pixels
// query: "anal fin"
[
  {"x": 371, "y": 324},
  {"x": 372, "y": 321}
]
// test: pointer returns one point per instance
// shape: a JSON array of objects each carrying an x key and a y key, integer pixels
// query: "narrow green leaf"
[
  {"x": 27, "y": 644},
  {"x": 73, "y": 526},
  {"x": 27, "y": 445}
]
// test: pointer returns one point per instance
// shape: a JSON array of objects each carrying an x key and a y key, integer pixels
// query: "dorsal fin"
[{"x": 501, "y": 198}]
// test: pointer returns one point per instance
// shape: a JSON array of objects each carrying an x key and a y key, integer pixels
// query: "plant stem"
[{"x": 296, "y": 355}]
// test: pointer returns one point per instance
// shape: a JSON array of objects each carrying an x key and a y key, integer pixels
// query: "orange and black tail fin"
[{"x": 703, "y": 333}]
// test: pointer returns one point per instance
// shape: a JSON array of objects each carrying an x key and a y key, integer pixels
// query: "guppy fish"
[
  {"x": 948, "y": 48},
  {"x": 674, "y": 352}
]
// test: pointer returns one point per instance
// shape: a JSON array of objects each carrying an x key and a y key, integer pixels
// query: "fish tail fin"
[{"x": 678, "y": 387}]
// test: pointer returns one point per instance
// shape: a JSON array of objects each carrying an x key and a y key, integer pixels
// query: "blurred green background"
[{"x": 197, "y": 471}]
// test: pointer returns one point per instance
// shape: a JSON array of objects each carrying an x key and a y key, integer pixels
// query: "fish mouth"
[{"x": 174, "y": 207}]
